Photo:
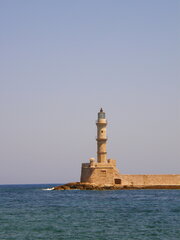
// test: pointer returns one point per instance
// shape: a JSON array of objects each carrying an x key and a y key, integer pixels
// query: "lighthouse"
[
  {"x": 103, "y": 171},
  {"x": 101, "y": 137}
]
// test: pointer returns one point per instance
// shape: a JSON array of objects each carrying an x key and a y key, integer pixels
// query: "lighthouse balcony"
[
  {"x": 102, "y": 152},
  {"x": 101, "y": 121},
  {"x": 102, "y": 139}
]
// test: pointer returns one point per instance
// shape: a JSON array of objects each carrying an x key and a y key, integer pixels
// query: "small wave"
[{"x": 48, "y": 189}]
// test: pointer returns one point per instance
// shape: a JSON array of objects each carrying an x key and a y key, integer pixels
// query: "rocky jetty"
[{"x": 88, "y": 186}]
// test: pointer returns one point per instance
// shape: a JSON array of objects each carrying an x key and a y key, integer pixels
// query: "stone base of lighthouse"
[
  {"x": 100, "y": 173},
  {"x": 106, "y": 174}
]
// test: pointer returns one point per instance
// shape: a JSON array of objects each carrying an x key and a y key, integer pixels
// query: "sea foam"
[{"x": 48, "y": 189}]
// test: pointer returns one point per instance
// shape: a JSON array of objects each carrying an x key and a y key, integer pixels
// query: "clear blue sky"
[{"x": 60, "y": 61}]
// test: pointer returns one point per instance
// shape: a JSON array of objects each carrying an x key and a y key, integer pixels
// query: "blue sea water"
[{"x": 27, "y": 212}]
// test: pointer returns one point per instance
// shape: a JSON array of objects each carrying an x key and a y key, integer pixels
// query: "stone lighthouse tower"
[
  {"x": 101, "y": 137},
  {"x": 103, "y": 171}
]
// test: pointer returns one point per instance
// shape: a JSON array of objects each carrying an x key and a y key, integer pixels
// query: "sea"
[{"x": 30, "y": 212}]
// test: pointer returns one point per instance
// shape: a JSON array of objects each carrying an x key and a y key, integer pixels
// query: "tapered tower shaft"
[{"x": 101, "y": 137}]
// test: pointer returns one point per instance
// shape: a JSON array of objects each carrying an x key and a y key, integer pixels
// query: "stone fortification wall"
[
  {"x": 149, "y": 180},
  {"x": 107, "y": 174},
  {"x": 86, "y": 173}
]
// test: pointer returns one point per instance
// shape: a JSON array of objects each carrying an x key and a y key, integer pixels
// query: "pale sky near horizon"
[{"x": 60, "y": 61}]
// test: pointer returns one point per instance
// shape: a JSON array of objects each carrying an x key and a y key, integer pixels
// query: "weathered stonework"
[
  {"x": 100, "y": 173},
  {"x": 104, "y": 172}
]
